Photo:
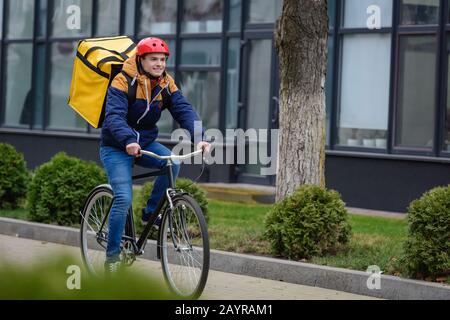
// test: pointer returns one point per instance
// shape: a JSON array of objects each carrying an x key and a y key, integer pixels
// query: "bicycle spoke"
[
  {"x": 93, "y": 216},
  {"x": 184, "y": 264}
]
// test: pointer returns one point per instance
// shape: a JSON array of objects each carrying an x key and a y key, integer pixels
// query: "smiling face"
[{"x": 154, "y": 63}]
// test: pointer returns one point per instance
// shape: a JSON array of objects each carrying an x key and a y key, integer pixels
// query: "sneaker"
[
  {"x": 157, "y": 222},
  {"x": 112, "y": 267},
  {"x": 146, "y": 217}
]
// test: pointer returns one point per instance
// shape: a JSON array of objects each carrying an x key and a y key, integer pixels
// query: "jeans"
[{"x": 118, "y": 165}]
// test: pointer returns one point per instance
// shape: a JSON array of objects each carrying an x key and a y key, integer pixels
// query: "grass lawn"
[
  {"x": 375, "y": 241},
  {"x": 21, "y": 214},
  {"x": 239, "y": 228}
]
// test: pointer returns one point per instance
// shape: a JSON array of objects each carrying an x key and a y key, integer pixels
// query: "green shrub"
[
  {"x": 59, "y": 188},
  {"x": 310, "y": 222},
  {"x": 427, "y": 249},
  {"x": 184, "y": 184},
  {"x": 50, "y": 279},
  {"x": 14, "y": 177}
]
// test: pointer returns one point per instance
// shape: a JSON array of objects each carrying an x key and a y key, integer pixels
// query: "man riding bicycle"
[{"x": 129, "y": 128}]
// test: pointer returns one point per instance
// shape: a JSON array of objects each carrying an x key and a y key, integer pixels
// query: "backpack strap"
[
  {"x": 167, "y": 99},
  {"x": 132, "y": 88}
]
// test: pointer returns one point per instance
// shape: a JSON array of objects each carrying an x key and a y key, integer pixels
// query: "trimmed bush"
[
  {"x": 50, "y": 277},
  {"x": 59, "y": 188},
  {"x": 427, "y": 249},
  {"x": 14, "y": 177},
  {"x": 310, "y": 222},
  {"x": 184, "y": 184}
]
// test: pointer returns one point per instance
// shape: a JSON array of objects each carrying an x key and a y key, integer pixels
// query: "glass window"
[
  {"x": 39, "y": 101},
  {"x": 72, "y": 18},
  {"x": 201, "y": 16},
  {"x": 1, "y": 18},
  {"x": 201, "y": 88},
  {"x": 264, "y": 11},
  {"x": 258, "y": 98},
  {"x": 414, "y": 126},
  {"x": 130, "y": 6},
  {"x": 165, "y": 123},
  {"x": 173, "y": 53},
  {"x": 356, "y": 16},
  {"x": 61, "y": 115},
  {"x": 108, "y": 17},
  {"x": 20, "y": 18},
  {"x": 415, "y": 12},
  {"x": 364, "y": 100},
  {"x": 158, "y": 17},
  {"x": 234, "y": 23},
  {"x": 201, "y": 52},
  {"x": 232, "y": 84},
  {"x": 329, "y": 85},
  {"x": 42, "y": 25},
  {"x": 19, "y": 100},
  {"x": 447, "y": 118},
  {"x": 259, "y": 91}
]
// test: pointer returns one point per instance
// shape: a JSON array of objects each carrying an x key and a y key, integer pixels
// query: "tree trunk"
[{"x": 301, "y": 41}]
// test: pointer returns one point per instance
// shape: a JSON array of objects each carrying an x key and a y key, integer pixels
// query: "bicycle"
[{"x": 182, "y": 241}]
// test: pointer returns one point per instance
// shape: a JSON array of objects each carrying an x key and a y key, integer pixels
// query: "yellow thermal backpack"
[{"x": 97, "y": 62}]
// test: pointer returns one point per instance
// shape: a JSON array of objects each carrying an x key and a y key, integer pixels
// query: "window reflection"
[
  {"x": 201, "y": 90},
  {"x": 364, "y": 98},
  {"x": 202, "y": 16},
  {"x": 61, "y": 115},
  {"x": 415, "y": 12},
  {"x": 259, "y": 99},
  {"x": 234, "y": 23},
  {"x": 20, "y": 18},
  {"x": 447, "y": 118},
  {"x": 232, "y": 84},
  {"x": 40, "y": 86},
  {"x": 158, "y": 17},
  {"x": 416, "y": 92},
  {"x": 1, "y": 18},
  {"x": 201, "y": 52},
  {"x": 108, "y": 17},
  {"x": 259, "y": 91},
  {"x": 264, "y": 11},
  {"x": 19, "y": 103}
]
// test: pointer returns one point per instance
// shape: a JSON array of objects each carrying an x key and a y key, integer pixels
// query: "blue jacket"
[{"x": 125, "y": 124}]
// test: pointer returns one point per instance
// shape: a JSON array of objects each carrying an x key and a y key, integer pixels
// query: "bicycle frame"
[{"x": 130, "y": 231}]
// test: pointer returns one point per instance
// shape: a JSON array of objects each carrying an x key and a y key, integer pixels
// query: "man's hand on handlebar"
[
  {"x": 134, "y": 149},
  {"x": 205, "y": 146}
]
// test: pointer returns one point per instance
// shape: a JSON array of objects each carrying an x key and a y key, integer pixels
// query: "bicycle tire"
[
  {"x": 93, "y": 246},
  {"x": 171, "y": 232}
]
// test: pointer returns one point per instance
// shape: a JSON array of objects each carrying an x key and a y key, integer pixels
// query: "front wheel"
[{"x": 185, "y": 248}]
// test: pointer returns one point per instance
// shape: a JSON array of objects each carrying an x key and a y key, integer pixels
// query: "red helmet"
[{"x": 152, "y": 45}]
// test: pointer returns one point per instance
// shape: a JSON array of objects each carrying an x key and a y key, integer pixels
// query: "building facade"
[{"x": 387, "y": 83}]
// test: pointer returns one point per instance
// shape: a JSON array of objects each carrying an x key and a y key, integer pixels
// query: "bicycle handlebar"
[{"x": 171, "y": 157}]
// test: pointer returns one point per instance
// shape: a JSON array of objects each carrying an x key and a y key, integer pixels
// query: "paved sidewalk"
[{"x": 220, "y": 286}]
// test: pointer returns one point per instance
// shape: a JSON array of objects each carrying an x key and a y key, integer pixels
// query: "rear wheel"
[
  {"x": 94, "y": 228},
  {"x": 185, "y": 248}
]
